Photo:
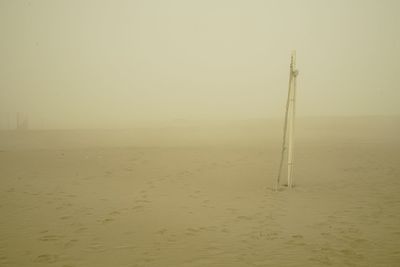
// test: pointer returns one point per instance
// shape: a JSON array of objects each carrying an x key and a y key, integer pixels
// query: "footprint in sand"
[
  {"x": 70, "y": 243},
  {"x": 296, "y": 240},
  {"x": 232, "y": 210},
  {"x": 191, "y": 231},
  {"x": 3, "y": 260},
  {"x": 47, "y": 258},
  {"x": 137, "y": 207},
  {"x": 196, "y": 194},
  {"x": 162, "y": 231},
  {"x": 225, "y": 230},
  {"x": 96, "y": 247},
  {"x": 108, "y": 173},
  {"x": 245, "y": 218},
  {"x": 47, "y": 238},
  {"x": 107, "y": 220},
  {"x": 321, "y": 260},
  {"x": 142, "y": 201},
  {"x": 121, "y": 247},
  {"x": 349, "y": 253},
  {"x": 297, "y": 236},
  {"x": 81, "y": 229},
  {"x": 206, "y": 203},
  {"x": 271, "y": 236}
]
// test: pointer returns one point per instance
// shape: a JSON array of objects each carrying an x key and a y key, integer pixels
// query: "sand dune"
[{"x": 201, "y": 196}]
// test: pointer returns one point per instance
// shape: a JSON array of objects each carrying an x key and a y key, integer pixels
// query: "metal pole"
[
  {"x": 292, "y": 105},
  {"x": 285, "y": 124}
]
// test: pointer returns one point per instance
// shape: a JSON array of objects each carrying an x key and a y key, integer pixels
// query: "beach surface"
[{"x": 201, "y": 194}]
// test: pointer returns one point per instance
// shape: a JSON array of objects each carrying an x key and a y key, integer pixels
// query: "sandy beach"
[
  {"x": 150, "y": 133},
  {"x": 202, "y": 196}
]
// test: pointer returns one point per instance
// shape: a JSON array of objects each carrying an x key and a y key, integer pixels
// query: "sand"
[{"x": 201, "y": 195}]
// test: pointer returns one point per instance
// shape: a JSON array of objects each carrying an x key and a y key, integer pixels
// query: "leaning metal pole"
[
  {"x": 291, "y": 126},
  {"x": 288, "y": 126},
  {"x": 285, "y": 127}
]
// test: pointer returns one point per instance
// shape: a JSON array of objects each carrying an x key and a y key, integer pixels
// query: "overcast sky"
[{"x": 103, "y": 63}]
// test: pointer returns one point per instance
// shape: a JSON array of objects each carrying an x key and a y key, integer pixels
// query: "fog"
[
  {"x": 85, "y": 64},
  {"x": 155, "y": 133}
]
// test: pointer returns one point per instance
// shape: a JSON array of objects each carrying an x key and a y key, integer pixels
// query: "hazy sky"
[{"x": 101, "y": 63}]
